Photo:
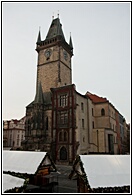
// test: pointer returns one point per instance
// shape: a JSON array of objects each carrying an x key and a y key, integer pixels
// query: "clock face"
[
  {"x": 48, "y": 53},
  {"x": 65, "y": 55}
]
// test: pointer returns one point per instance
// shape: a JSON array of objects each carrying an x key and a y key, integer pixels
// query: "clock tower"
[
  {"x": 54, "y": 58},
  {"x": 53, "y": 71}
]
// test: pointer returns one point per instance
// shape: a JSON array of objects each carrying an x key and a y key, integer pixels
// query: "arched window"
[
  {"x": 102, "y": 112},
  {"x": 63, "y": 153},
  {"x": 60, "y": 136},
  {"x": 65, "y": 136}
]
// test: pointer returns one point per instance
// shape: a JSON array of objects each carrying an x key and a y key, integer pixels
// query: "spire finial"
[
  {"x": 58, "y": 14},
  {"x": 39, "y": 28},
  {"x": 53, "y": 16}
]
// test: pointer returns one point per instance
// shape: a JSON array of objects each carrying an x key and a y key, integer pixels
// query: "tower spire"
[
  {"x": 55, "y": 29},
  {"x": 39, "y": 94}
]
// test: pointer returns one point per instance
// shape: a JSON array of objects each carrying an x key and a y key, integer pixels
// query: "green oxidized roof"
[{"x": 55, "y": 29}]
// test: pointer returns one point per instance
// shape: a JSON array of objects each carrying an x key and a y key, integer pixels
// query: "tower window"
[
  {"x": 60, "y": 136},
  {"x": 93, "y": 124},
  {"x": 63, "y": 100},
  {"x": 63, "y": 117},
  {"x": 82, "y": 123},
  {"x": 102, "y": 112},
  {"x": 65, "y": 136}
]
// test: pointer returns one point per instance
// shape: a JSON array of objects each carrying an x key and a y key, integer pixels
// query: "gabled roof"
[
  {"x": 24, "y": 161},
  {"x": 103, "y": 170},
  {"x": 10, "y": 182},
  {"x": 96, "y": 98}
]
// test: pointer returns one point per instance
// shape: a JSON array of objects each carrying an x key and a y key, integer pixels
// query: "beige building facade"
[{"x": 13, "y": 133}]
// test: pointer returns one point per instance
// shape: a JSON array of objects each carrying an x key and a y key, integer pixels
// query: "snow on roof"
[
  {"x": 107, "y": 170},
  {"x": 22, "y": 161},
  {"x": 10, "y": 182}
]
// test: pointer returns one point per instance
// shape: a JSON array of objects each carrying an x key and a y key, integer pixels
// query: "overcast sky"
[{"x": 101, "y": 40}]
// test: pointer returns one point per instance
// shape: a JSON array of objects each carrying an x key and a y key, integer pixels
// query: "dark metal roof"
[
  {"x": 39, "y": 95},
  {"x": 70, "y": 43},
  {"x": 39, "y": 37},
  {"x": 55, "y": 29}
]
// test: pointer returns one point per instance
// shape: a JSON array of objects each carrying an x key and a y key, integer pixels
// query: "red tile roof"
[{"x": 96, "y": 99}]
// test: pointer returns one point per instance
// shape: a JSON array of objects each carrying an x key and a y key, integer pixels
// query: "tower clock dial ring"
[{"x": 48, "y": 53}]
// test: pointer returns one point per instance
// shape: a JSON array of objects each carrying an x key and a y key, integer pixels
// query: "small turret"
[
  {"x": 39, "y": 38},
  {"x": 70, "y": 43}
]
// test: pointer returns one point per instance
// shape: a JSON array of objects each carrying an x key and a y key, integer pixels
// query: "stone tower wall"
[
  {"x": 55, "y": 71},
  {"x": 48, "y": 75}
]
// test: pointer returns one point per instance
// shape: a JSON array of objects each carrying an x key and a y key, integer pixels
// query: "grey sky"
[{"x": 101, "y": 39}]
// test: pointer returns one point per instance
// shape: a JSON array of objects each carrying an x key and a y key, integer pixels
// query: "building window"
[
  {"x": 82, "y": 107},
  {"x": 63, "y": 117},
  {"x": 82, "y": 123},
  {"x": 63, "y": 100},
  {"x": 18, "y": 142},
  {"x": 102, "y": 112},
  {"x": 60, "y": 136},
  {"x": 93, "y": 124},
  {"x": 65, "y": 136},
  {"x": 110, "y": 144},
  {"x": 92, "y": 111},
  {"x": 83, "y": 139}
]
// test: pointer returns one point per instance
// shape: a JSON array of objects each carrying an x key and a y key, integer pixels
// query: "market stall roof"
[
  {"x": 10, "y": 182},
  {"x": 106, "y": 170},
  {"x": 24, "y": 161}
]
